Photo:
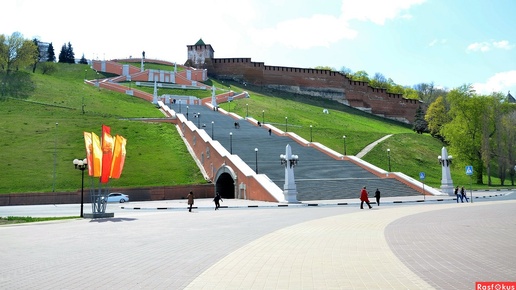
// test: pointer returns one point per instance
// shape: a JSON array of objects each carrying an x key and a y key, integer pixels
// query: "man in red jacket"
[{"x": 364, "y": 198}]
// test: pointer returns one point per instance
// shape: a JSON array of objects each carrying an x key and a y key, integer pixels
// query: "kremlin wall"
[{"x": 304, "y": 81}]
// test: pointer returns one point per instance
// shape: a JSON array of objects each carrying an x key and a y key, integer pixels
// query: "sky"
[{"x": 447, "y": 42}]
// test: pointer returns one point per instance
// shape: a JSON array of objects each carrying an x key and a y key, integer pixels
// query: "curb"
[{"x": 306, "y": 204}]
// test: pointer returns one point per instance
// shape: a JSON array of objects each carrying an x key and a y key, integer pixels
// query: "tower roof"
[
  {"x": 510, "y": 98},
  {"x": 200, "y": 42}
]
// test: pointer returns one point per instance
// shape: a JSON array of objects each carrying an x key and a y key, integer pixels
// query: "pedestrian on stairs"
[{"x": 364, "y": 198}]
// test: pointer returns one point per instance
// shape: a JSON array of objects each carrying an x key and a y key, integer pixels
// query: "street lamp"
[
  {"x": 81, "y": 165},
  {"x": 344, "y": 137},
  {"x": 247, "y": 110},
  {"x": 445, "y": 161},
  {"x": 198, "y": 120},
  {"x": 55, "y": 160},
  {"x": 291, "y": 162},
  {"x": 256, "y": 160},
  {"x": 212, "y": 130},
  {"x": 263, "y": 117},
  {"x": 230, "y": 142},
  {"x": 389, "y": 158},
  {"x": 310, "y": 133},
  {"x": 286, "y": 124}
]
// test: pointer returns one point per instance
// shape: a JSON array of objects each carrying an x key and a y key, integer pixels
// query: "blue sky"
[{"x": 449, "y": 43}]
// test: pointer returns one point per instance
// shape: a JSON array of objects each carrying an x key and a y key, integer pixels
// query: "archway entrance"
[{"x": 225, "y": 185}]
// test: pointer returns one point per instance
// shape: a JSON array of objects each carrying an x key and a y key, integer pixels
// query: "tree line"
[
  {"x": 17, "y": 54},
  {"x": 478, "y": 129}
]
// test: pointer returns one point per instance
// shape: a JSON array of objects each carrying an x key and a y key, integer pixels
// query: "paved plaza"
[{"x": 402, "y": 244}]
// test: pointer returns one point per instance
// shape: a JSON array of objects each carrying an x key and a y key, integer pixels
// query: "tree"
[
  {"x": 379, "y": 81},
  {"x": 361, "y": 75},
  {"x": 346, "y": 71},
  {"x": 36, "y": 43},
  {"x": 324, "y": 67},
  {"x": 436, "y": 117},
  {"x": 16, "y": 52},
  {"x": 83, "y": 60},
  {"x": 464, "y": 131},
  {"x": 394, "y": 88},
  {"x": 51, "y": 53},
  {"x": 420, "y": 124},
  {"x": 67, "y": 55}
]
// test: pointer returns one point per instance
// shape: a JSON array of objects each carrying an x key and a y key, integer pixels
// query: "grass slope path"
[{"x": 371, "y": 146}]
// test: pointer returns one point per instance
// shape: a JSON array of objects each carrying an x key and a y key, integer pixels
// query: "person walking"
[
  {"x": 217, "y": 200},
  {"x": 377, "y": 196},
  {"x": 364, "y": 198},
  {"x": 457, "y": 193},
  {"x": 463, "y": 194},
  {"x": 190, "y": 201}
]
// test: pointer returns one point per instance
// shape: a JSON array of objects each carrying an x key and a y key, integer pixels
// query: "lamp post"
[
  {"x": 187, "y": 113},
  {"x": 289, "y": 161},
  {"x": 81, "y": 165},
  {"x": 263, "y": 117},
  {"x": 310, "y": 133},
  {"x": 230, "y": 142},
  {"x": 344, "y": 137},
  {"x": 212, "y": 130},
  {"x": 446, "y": 181},
  {"x": 389, "y": 158},
  {"x": 286, "y": 124},
  {"x": 55, "y": 160},
  {"x": 256, "y": 160},
  {"x": 198, "y": 120},
  {"x": 229, "y": 106},
  {"x": 247, "y": 110}
]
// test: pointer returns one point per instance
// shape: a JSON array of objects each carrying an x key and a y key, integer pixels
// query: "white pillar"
[
  {"x": 213, "y": 98},
  {"x": 155, "y": 96},
  {"x": 289, "y": 188},
  {"x": 446, "y": 181}
]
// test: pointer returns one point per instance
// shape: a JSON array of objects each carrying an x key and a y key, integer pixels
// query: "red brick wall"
[
  {"x": 135, "y": 194},
  {"x": 315, "y": 82}
]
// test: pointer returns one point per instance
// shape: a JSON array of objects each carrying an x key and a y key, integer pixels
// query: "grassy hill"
[
  {"x": 32, "y": 143},
  {"x": 30, "y": 137}
]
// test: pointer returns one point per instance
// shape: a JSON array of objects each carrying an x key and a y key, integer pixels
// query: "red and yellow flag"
[
  {"x": 107, "y": 153},
  {"x": 97, "y": 155},
  {"x": 118, "y": 157},
  {"x": 89, "y": 148}
]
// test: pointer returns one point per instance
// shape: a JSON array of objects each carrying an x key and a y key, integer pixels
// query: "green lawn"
[{"x": 156, "y": 154}]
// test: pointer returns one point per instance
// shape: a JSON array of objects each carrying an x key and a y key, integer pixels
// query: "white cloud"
[
  {"x": 321, "y": 30},
  {"x": 500, "y": 82},
  {"x": 377, "y": 11},
  {"x": 504, "y": 44},
  {"x": 437, "y": 41},
  {"x": 316, "y": 31},
  {"x": 487, "y": 46}
]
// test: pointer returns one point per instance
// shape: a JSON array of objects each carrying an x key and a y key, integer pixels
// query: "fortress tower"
[{"x": 198, "y": 53}]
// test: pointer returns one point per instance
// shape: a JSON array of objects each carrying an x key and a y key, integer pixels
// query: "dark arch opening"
[{"x": 225, "y": 185}]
